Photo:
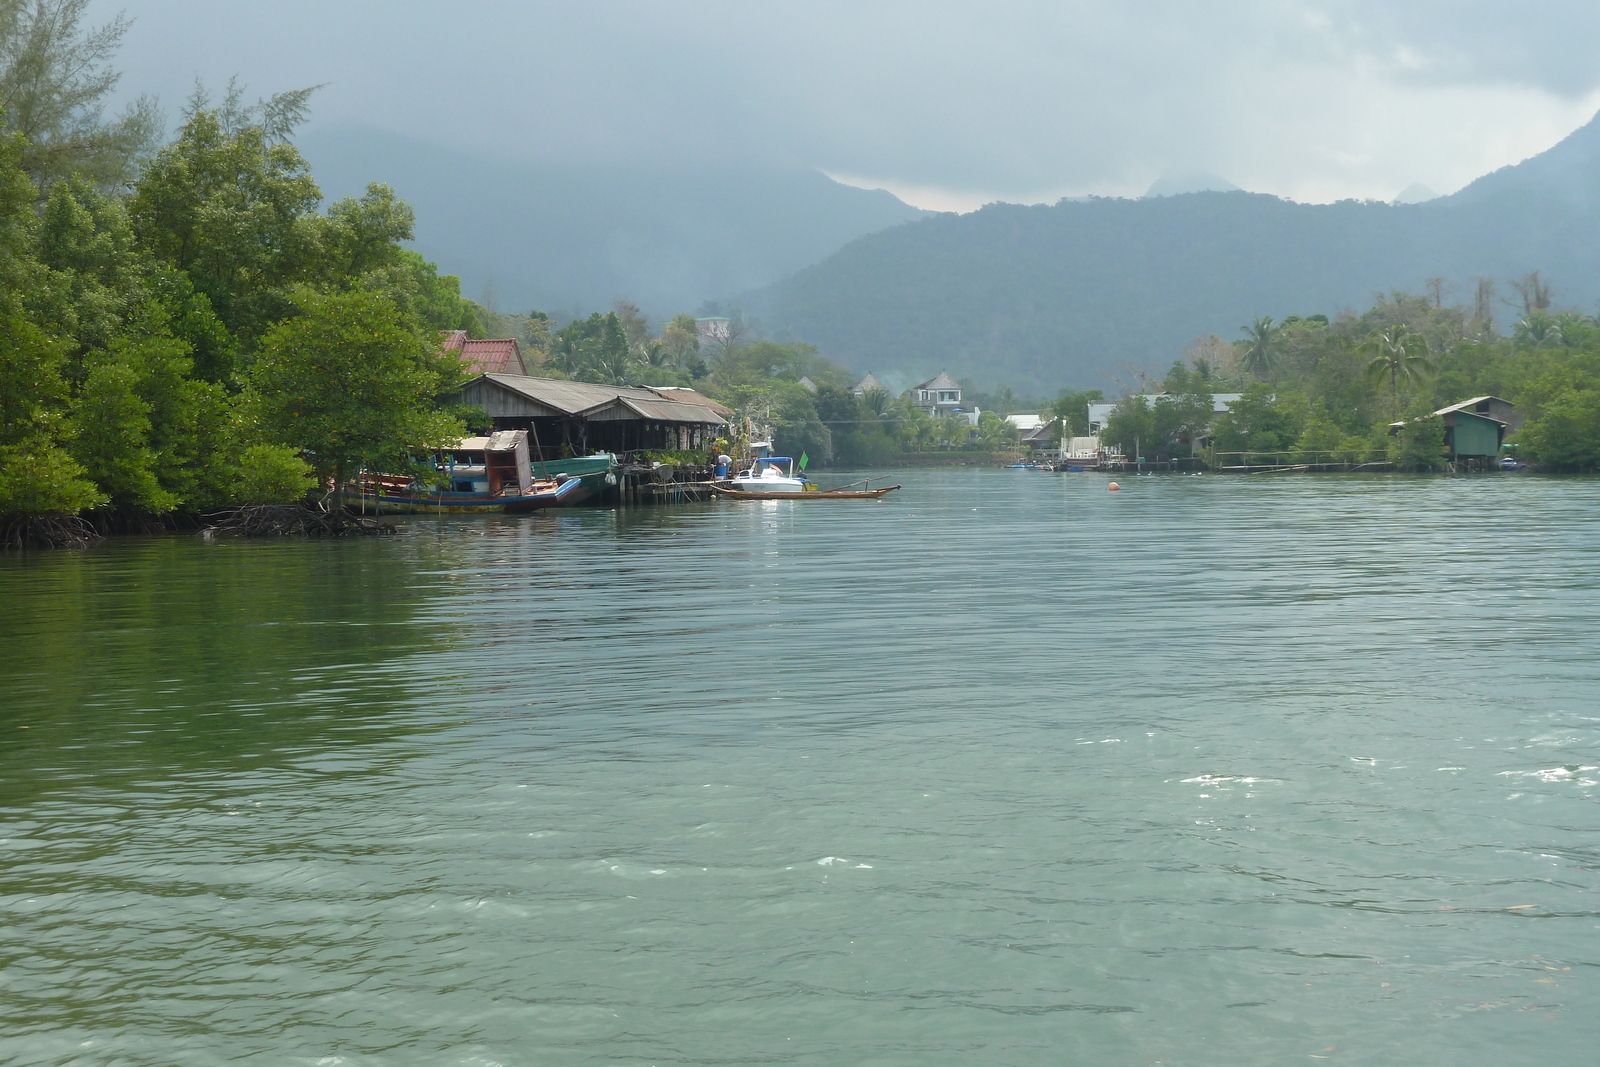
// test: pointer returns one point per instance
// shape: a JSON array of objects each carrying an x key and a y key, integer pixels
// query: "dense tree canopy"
[{"x": 133, "y": 312}]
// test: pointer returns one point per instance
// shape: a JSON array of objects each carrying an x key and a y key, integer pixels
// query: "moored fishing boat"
[
  {"x": 810, "y": 494},
  {"x": 770, "y": 475},
  {"x": 774, "y": 478},
  {"x": 422, "y": 501},
  {"x": 595, "y": 474},
  {"x": 476, "y": 476}
]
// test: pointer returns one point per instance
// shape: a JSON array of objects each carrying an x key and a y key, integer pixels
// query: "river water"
[{"x": 1005, "y": 769}]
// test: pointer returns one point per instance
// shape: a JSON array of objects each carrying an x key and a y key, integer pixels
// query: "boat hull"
[
  {"x": 594, "y": 475},
  {"x": 768, "y": 486},
  {"x": 403, "y": 503},
  {"x": 836, "y": 494}
]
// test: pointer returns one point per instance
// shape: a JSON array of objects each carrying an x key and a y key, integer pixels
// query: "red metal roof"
[{"x": 502, "y": 356}]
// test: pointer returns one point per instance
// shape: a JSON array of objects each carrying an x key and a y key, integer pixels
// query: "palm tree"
[
  {"x": 1397, "y": 353},
  {"x": 877, "y": 401},
  {"x": 1261, "y": 357},
  {"x": 1538, "y": 329}
]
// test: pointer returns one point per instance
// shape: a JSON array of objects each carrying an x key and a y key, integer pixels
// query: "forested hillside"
[{"x": 1085, "y": 293}]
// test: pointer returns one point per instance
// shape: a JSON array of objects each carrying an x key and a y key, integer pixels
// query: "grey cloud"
[{"x": 1018, "y": 99}]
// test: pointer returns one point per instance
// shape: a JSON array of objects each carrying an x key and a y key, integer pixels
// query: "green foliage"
[
  {"x": 794, "y": 423},
  {"x": 1072, "y": 410},
  {"x": 1398, "y": 355},
  {"x": 270, "y": 474},
  {"x": 130, "y": 318},
  {"x": 1164, "y": 429},
  {"x": 1539, "y": 329},
  {"x": 115, "y": 440},
  {"x": 595, "y": 350},
  {"x": 1419, "y": 444},
  {"x": 994, "y": 433},
  {"x": 87, "y": 245},
  {"x": 680, "y": 339},
  {"x": 352, "y": 383},
  {"x": 1260, "y": 421},
  {"x": 235, "y": 212},
  {"x": 38, "y": 477},
  {"x": 436, "y": 298},
  {"x": 37, "y": 474},
  {"x": 1260, "y": 356},
  {"x": 54, "y": 79},
  {"x": 859, "y": 436},
  {"x": 1320, "y": 434},
  {"x": 1564, "y": 430}
]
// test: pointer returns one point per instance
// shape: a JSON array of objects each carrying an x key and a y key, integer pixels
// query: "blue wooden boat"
[
  {"x": 475, "y": 476},
  {"x": 449, "y": 502}
]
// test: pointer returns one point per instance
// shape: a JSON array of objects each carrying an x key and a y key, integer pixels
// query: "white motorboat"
[{"x": 770, "y": 474}]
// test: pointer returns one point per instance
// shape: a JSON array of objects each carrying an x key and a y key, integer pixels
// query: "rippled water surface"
[{"x": 1005, "y": 769}]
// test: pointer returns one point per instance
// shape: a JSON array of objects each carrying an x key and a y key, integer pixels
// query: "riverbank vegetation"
[
  {"x": 177, "y": 322},
  {"x": 1319, "y": 386}
]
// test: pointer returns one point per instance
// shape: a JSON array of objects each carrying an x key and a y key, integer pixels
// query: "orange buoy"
[{"x": 1114, "y": 488}]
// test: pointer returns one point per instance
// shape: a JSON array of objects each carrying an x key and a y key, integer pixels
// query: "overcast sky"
[{"x": 948, "y": 104}]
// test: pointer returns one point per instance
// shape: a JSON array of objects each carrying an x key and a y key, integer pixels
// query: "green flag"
[{"x": 804, "y": 459}]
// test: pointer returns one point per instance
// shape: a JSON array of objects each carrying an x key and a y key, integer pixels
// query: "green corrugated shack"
[{"x": 1477, "y": 428}]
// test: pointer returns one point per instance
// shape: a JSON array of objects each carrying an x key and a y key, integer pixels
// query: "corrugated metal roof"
[
  {"x": 682, "y": 394},
  {"x": 671, "y": 411},
  {"x": 580, "y": 398},
  {"x": 502, "y": 356},
  {"x": 1474, "y": 402}
]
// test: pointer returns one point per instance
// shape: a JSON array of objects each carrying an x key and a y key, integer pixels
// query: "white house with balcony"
[{"x": 939, "y": 396}]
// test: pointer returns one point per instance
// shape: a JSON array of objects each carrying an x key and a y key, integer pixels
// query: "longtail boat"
[
  {"x": 752, "y": 485},
  {"x": 817, "y": 494}
]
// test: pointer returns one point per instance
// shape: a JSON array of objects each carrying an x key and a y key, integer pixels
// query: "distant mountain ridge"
[
  {"x": 1080, "y": 293},
  {"x": 1567, "y": 174},
  {"x": 562, "y": 237}
]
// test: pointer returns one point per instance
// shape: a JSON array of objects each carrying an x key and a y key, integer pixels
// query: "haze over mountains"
[
  {"x": 567, "y": 237},
  {"x": 1081, "y": 293}
]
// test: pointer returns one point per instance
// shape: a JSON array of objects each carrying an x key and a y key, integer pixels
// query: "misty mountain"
[
  {"x": 1196, "y": 182},
  {"x": 565, "y": 236},
  {"x": 1081, "y": 293}
]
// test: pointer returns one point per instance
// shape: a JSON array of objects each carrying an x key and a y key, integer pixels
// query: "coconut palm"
[
  {"x": 1397, "y": 353},
  {"x": 1261, "y": 356},
  {"x": 1537, "y": 329},
  {"x": 877, "y": 401}
]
